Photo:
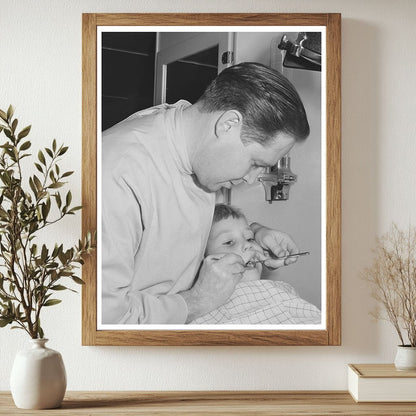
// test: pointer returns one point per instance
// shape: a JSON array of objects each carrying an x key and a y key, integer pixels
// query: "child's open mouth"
[{"x": 250, "y": 265}]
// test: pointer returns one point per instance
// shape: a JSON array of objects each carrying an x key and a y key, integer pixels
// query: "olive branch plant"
[
  {"x": 393, "y": 278},
  {"x": 31, "y": 273}
]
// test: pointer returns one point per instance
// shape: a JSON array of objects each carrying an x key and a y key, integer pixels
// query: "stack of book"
[{"x": 381, "y": 383}]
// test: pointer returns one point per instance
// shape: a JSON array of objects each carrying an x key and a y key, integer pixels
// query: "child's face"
[{"x": 233, "y": 235}]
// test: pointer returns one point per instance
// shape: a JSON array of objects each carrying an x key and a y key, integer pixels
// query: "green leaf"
[
  {"x": 10, "y": 112},
  {"x": 42, "y": 194},
  {"x": 37, "y": 183},
  {"x": 33, "y": 187},
  {"x": 68, "y": 199},
  {"x": 62, "y": 257},
  {"x": 63, "y": 150},
  {"x": 8, "y": 133},
  {"x": 51, "y": 302},
  {"x": 59, "y": 287},
  {"x": 67, "y": 174},
  {"x": 49, "y": 152},
  {"x": 3, "y": 115},
  {"x": 24, "y": 132},
  {"x": 39, "y": 167},
  {"x": 45, "y": 211},
  {"x": 58, "y": 199},
  {"x": 60, "y": 249},
  {"x": 54, "y": 145},
  {"x": 55, "y": 251},
  {"x": 15, "y": 153},
  {"x": 34, "y": 226},
  {"x": 25, "y": 145},
  {"x": 76, "y": 208},
  {"x": 44, "y": 253},
  {"x": 40, "y": 332},
  {"x": 5, "y": 321},
  {"x": 56, "y": 185},
  {"x": 41, "y": 158},
  {"x": 4, "y": 298},
  {"x": 6, "y": 145},
  {"x": 14, "y": 125},
  {"x": 76, "y": 279}
]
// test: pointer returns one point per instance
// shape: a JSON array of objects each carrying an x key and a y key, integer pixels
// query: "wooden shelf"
[{"x": 178, "y": 403}]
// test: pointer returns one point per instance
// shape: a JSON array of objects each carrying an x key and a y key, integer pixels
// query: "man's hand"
[
  {"x": 216, "y": 282},
  {"x": 277, "y": 243}
]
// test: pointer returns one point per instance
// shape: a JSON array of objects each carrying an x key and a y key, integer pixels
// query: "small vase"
[
  {"x": 405, "y": 358},
  {"x": 38, "y": 377}
]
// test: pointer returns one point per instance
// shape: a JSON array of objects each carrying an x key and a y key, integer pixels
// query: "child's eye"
[{"x": 228, "y": 243}]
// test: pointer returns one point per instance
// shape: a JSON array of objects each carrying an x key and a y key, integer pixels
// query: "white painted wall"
[{"x": 40, "y": 74}]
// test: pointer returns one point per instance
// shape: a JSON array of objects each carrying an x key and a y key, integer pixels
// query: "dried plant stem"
[{"x": 393, "y": 276}]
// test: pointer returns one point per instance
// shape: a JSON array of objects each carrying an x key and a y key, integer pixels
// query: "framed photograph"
[{"x": 214, "y": 226}]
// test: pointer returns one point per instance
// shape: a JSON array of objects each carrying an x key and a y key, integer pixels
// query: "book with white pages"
[{"x": 381, "y": 383}]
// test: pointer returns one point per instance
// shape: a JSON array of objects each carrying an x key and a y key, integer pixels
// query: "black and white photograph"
[{"x": 211, "y": 178}]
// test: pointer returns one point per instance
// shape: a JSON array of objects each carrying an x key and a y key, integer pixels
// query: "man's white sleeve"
[{"x": 122, "y": 232}]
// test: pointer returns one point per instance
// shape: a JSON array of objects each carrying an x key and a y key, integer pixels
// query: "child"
[
  {"x": 230, "y": 233},
  {"x": 254, "y": 301}
]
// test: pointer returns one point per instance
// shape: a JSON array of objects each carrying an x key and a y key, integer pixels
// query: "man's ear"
[{"x": 228, "y": 122}]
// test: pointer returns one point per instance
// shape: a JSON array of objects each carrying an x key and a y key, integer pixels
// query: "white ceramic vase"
[
  {"x": 38, "y": 377},
  {"x": 405, "y": 358}
]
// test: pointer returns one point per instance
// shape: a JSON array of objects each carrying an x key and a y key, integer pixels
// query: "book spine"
[{"x": 353, "y": 381}]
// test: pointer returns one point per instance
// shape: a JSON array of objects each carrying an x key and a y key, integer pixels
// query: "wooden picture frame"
[{"x": 331, "y": 334}]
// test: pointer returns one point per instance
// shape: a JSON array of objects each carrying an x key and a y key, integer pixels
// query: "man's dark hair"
[
  {"x": 223, "y": 211},
  {"x": 268, "y": 102}
]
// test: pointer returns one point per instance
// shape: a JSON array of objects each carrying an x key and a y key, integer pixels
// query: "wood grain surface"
[
  {"x": 89, "y": 173},
  {"x": 211, "y": 19},
  {"x": 332, "y": 334},
  {"x": 380, "y": 371},
  {"x": 317, "y": 403}
]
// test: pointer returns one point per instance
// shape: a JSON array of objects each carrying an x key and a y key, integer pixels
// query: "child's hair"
[{"x": 223, "y": 211}]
